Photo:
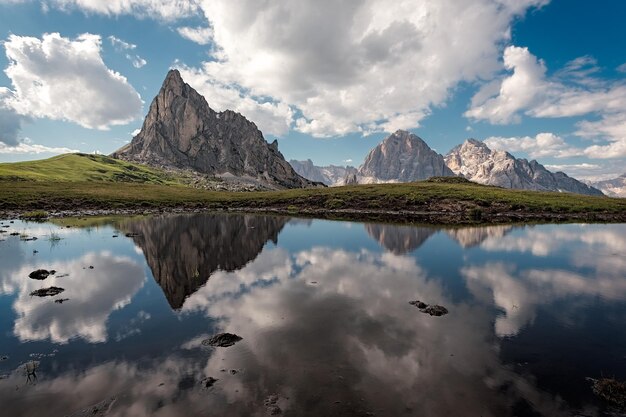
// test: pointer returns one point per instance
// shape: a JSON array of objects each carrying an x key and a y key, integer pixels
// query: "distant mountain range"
[
  {"x": 475, "y": 161},
  {"x": 182, "y": 132},
  {"x": 613, "y": 188},
  {"x": 404, "y": 157}
]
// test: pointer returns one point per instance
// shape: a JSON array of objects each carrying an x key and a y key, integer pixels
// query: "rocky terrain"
[
  {"x": 613, "y": 188},
  {"x": 475, "y": 161},
  {"x": 182, "y": 132},
  {"x": 402, "y": 157}
]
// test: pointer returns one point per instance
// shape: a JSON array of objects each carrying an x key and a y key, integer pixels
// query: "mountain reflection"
[
  {"x": 399, "y": 239},
  {"x": 183, "y": 251}
]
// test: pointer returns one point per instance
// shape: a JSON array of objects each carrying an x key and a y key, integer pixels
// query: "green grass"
[
  {"x": 83, "y": 168},
  {"x": 470, "y": 202},
  {"x": 35, "y": 215}
]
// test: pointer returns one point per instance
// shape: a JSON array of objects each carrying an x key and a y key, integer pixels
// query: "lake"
[{"x": 535, "y": 315}]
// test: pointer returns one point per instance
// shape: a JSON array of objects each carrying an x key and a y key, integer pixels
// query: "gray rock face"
[
  {"x": 475, "y": 161},
  {"x": 332, "y": 175},
  {"x": 613, "y": 188},
  {"x": 181, "y": 131},
  {"x": 403, "y": 157}
]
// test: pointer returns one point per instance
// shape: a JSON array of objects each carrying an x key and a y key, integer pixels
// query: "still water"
[{"x": 535, "y": 313}]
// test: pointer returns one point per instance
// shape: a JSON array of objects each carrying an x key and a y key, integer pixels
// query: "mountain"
[
  {"x": 182, "y": 132},
  {"x": 183, "y": 251},
  {"x": 328, "y": 175},
  {"x": 402, "y": 157},
  {"x": 613, "y": 188},
  {"x": 475, "y": 161}
]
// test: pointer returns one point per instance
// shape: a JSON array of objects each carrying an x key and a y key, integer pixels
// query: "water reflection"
[
  {"x": 326, "y": 330},
  {"x": 95, "y": 285},
  {"x": 184, "y": 251},
  {"x": 399, "y": 239}
]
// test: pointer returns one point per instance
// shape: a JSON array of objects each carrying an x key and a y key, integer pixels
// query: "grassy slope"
[
  {"x": 450, "y": 202},
  {"x": 83, "y": 168},
  {"x": 78, "y": 181}
]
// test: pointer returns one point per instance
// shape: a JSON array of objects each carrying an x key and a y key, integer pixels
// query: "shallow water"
[{"x": 323, "y": 310}]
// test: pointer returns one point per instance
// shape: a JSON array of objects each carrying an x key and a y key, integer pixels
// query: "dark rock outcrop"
[{"x": 182, "y": 132}]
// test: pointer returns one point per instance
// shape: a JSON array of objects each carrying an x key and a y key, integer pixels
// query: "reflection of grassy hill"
[
  {"x": 440, "y": 201},
  {"x": 83, "y": 168}
]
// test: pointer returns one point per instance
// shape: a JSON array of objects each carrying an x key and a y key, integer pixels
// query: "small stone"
[
  {"x": 47, "y": 292},
  {"x": 39, "y": 274},
  {"x": 61, "y": 300},
  {"x": 208, "y": 382},
  {"x": 222, "y": 340}
]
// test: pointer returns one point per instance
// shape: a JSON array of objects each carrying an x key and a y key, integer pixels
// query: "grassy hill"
[
  {"x": 80, "y": 167},
  {"x": 450, "y": 200}
]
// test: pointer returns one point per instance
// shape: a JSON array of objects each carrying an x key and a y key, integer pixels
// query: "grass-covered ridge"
[
  {"x": 440, "y": 201},
  {"x": 78, "y": 167}
]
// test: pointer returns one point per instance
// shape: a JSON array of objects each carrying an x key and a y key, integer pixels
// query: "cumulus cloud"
[
  {"x": 541, "y": 145},
  {"x": 199, "y": 35},
  {"x": 64, "y": 79},
  {"x": 572, "y": 91},
  {"x": 360, "y": 66},
  {"x": 270, "y": 116}
]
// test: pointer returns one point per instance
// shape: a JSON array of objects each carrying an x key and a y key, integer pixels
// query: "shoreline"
[{"x": 435, "y": 218}]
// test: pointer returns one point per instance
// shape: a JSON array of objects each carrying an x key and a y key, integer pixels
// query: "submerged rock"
[
  {"x": 433, "y": 310},
  {"x": 222, "y": 340},
  {"x": 610, "y": 390},
  {"x": 47, "y": 292},
  {"x": 100, "y": 409},
  {"x": 39, "y": 274},
  {"x": 208, "y": 382}
]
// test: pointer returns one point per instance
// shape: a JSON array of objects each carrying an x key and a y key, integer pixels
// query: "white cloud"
[
  {"x": 167, "y": 10},
  {"x": 360, "y": 66},
  {"x": 63, "y": 79},
  {"x": 199, "y": 35},
  {"x": 542, "y": 145},
  {"x": 120, "y": 44},
  {"x": 573, "y": 91},
  {"x": 26, "y": 147},
  {"x": 136, "y": 60},
  {"x": 270, "y": 117}
]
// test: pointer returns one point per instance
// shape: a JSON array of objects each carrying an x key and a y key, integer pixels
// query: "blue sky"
[{"x": 543, "y": 79}]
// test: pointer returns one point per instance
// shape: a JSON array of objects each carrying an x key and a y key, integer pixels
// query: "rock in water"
[
  {"x": 182, "y": 132},
  {"x": 433, "y": 310},
  {"x": 40, "y": 274},
  {"x": 222, "y": 340},
  {"x": 475, "y": 161},
  {"x": 47, "y": 292},
  {"x": 403, "y": 157}
]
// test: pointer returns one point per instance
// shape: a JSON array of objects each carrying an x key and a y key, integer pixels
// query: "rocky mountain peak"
[
  {"x": 403, "y": 157},
  {"x": 475, "y": 161},
  {"x": 182, "y": 132}
]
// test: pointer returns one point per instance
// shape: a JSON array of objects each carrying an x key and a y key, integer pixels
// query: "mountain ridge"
[
  {"x": 181, "y": 131},
  {"x": 474, "y": 160}
]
